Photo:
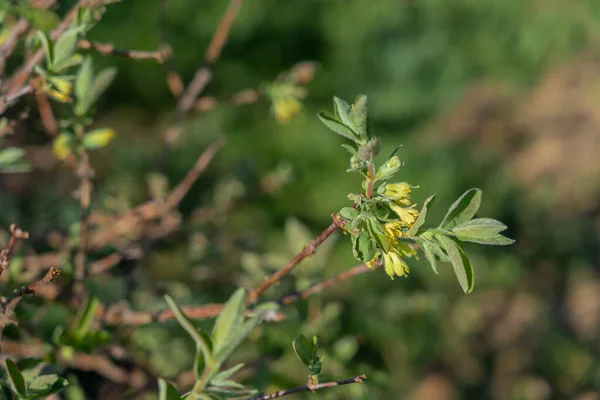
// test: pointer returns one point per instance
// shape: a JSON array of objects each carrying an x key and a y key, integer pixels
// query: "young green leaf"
[
  {"x": 46, "y": 45},
  {"x": 483, "y": 231},
  {"x": 461, "y": 263},
  {"x": 16, "y": 378},
  {"x": 98, "y": 138},
  {"x": 64, "y": 48},
  {"x": 364, "y": 247},
  {"x": 303, "y": 349},
  {"x": 342, "y": 112},
  {"x": 236, "y": 338},
  {"x": 202, "y": 345},
  {"x": 358, "y": 116},
  {"x": 421, "y": 218},
  {"x": 378, "y": 234},
  {"x": 85, "y": 319},
  {"x": 349, "y": 213},
  {"x": 45, "y": 385},
  {"x": 229, "y": 321},
  {"x": 222, "y": 377},
  {"x": 463, "y": 209},
  {"x": 101, "y": 83},
  {"x": 201, "y": 362},
  {"x": 166, "y": 391},
  {"x": 429, "y": 254},
  {"x": 83, "y": 86},
  {"x": 496, "y": 240},
  {"x": 336, "y": 126}
]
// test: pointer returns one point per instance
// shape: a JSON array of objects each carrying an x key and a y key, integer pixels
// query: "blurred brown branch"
[
  {"x": 308, "y": 251},
  {"x": 311, "y": 388},
  {"x": 110, "y": 50}
]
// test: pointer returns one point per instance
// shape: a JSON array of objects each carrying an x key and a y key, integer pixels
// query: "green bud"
[{"x": 388, "y": 169}]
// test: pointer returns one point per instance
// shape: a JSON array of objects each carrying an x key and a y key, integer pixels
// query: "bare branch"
[
  {"x": 311, "y": 388},
  {"x": 110, "y": 50}
]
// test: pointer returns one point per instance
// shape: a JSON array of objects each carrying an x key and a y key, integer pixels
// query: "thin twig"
[
  {"x": 173, "y": 79},
  {"x": 308, "y": 251},
  {"x": 110, "y": 50},
  {"x": 16, "y": 235},
  {"x": 320, "y": 286},
  {"x": 204, "y": 73},
  {"x": 311, "y": 388},
  {"x": 46, "y": 114},
  {"x": 7, "y": 100},
  {"x": 248, "y": 96},
  {"x": 11, "y": 41}
]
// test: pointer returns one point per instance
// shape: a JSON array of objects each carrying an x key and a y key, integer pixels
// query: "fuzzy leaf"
[
  {"x": 358, "y": 116},
  {"x": 461, "y": 263},
  {"x": 421, "y": 218},
  {"x": 229, "y": 321},
  {"x": 479, "y": 228},
  {"x": 46, "y": 46},
  {"x": 236, "y": 338},
  {"x": 463, "y": 209},
  {"x": 349, "y": 213},
  {"x": 83, "y": 86},
  {"x": 378, "y": 234},
  {"x": 336, "y": 126},
  {"x": 429, "y": 254},
  {"x": 496, "y": 240},
  {"x": 64, "y": 48},
  {"x": 11, "y": 155},
  {"x": 364, "y": 247},
  {"x": 342, "y": 112},
  {"x": 222, "y": 378}
]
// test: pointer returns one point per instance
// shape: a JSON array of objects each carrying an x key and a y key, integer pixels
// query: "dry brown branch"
[
  {"x": 204, "y": 73},
  {"x": 320, "y": 286},
  {"x": 8, "y": 99},
  {"x": 16, "y": 235},
  {"x": 247, "y": 96},
  {"x": 308, "y": 251},
  {"x": 46, "y": 114},
  {"x": 108, "y": 49},
  {"x": 173, "y": 79},
  {"x": 85, "y": 173},
  {"x": 311, "y": 388},
  {"x": 99, "y": 363}
]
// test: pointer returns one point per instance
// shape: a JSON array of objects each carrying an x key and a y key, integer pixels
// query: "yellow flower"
[
  {"x": 408, "y": 215},
  {"x": 399, "y": 192},
  {"x": 394, "y": 264},
  {"x": 285, "y": 108}
]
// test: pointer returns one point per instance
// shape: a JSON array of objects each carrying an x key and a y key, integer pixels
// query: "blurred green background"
[{"x": 498, "y": 94}]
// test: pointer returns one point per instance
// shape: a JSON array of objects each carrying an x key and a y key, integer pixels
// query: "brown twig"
[
  {"x": 16, "y": 235},
  {"x": 311, "y": 388},
  {"x": 308, "y": 251},
  {"x": 204, "y": 73},
  {"x": 173, "y": 79},
  {"x": 7, "y": 100},
  {"x": 46, "y": 114},
  {"x": 110, "y": 50},
  {"x": 320, "y": 286},
  {"x": 248, "y": 96},
  {"x": 11, "y": 41}
]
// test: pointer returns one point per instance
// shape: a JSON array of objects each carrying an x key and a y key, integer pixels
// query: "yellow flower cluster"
[{"x": 407, "y": 214}]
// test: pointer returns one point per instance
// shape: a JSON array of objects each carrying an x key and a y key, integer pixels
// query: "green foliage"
[
  {"x": 39, "y": 388},
  {"x": 230, "y": 329},
  {"x": 383, "y": 221}
]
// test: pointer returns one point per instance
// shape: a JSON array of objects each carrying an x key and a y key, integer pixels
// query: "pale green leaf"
[
  {"x": 229, "y": 321},
  {"x": 336, "y": 126},
  {"x": 463, "y": 209},
  {"x": 460, "y": 262},
  {"x": 422, "y": 215},
  {"x": 166, "y": 391}
]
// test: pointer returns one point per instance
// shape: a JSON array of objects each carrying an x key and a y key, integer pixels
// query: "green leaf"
[
  {"x": 479, "y": 228},
  {"x": 222, "y": 377},
  {"x": 203, "y": 345},
  {"x": 83, "y": 86},
  {"x": 463, "y": 209},
  {"x": 461, "y": 263},
  {"x": 364, "y": 247},
  {"x": 166, "y": 391},
  {"x": 496, "y": 240},
  {"x": 421, "y": 218},
  {"x": 46, "y": 46},
  {"x": 45, "y": 385},
  {"x": 350, "y": 150},
  {"x": 342, "y": 112},
  {"x": 98, "y": 138},
  {"x": 303, "y": 349},
  {"x": 64, "y": 48},
  {"x": 236, "y": 337},
  {"x": 230, "y": 320},
  {"x": 16, "y": 378},
  {"x": 378, "y": 234},
  {"x": 358, "y": 116},
  {"x": 339, "y": 128},
  {"x": 429, "y": 253},
  {"x": 73, "y": 60},
  {"x": 349, "y": 213},
  {"x": 101, "y": 83},
  {"x": 85, "y": 319},
  {"x": 11, "y": 155},
  {"x": 39, "y": 18}
]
